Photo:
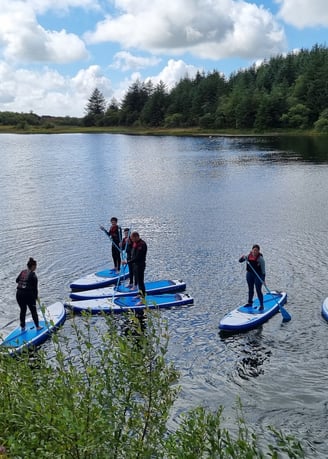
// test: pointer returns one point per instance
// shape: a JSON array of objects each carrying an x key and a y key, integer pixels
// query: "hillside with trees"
[{"x": 283, "y": 93}]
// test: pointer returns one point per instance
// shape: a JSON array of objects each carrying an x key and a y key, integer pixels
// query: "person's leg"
[
  {"x": 130, "y": 265},
  {"x": 250, "y": 283},
  {"x": 34, "y": 312},
  {"x": 141, "y": 280},
  {"x": 258, "y": 286},
  {"x": 116, "y": 258},
  {"x": 23, "y": 307}
]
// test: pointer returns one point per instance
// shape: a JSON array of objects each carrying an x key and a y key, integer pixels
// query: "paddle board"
[
  {"x": 324, "y": 309},
  {"x": 99, "y": 279},
  {"x": 245, "y": 317},
  {"x": 152, "y": 288},
  {"x": 18, "y": 340},
  {"x": 125, "y": 303}
]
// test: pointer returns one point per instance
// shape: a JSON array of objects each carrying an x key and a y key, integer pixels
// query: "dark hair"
[
  {"x": 113, "y": 219},
  {"x": 126, "y": 229},
  {"x": 31, "y": 262},
  {"x": 135, "y": 233},
  {"x": 256, "y": 246}
]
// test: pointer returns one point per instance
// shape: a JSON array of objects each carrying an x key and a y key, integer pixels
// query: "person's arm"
[
  {"x": 242, "y": 258},
  {"x": 262, "y": 264}
]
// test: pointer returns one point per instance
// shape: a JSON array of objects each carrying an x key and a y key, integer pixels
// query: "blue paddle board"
[
  {"x": 99, "y": 279},
  {"x": 245, "y": 317},
  {"x": 152, "y": 288},
  {"x": 19, "y": 340},
  {"x": 126, "y": 303},
  {"x": 324, "y": 309}
]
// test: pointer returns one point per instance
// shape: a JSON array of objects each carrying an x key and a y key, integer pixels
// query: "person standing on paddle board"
[
  {"x": 256, "y": 261},
  {"x": 27, "y": 293},
  {"x": 126, "y": 246},
  {"x": 115, "y": 235},
  {"x": 138, "y": 260}
]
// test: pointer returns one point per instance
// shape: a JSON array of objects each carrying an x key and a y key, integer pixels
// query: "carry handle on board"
[{"x": 285, "y": 314}]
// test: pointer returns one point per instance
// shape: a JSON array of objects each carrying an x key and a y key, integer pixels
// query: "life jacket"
[
  {"x": 139, "y": 252},
  {"x": 255, "y": 263},
  {"x": 23, "y": 279},
  {"x": 115, "y": 233}
]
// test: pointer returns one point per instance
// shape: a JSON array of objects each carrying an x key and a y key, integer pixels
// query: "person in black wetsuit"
[
  {"x": 138, "y": 260},
  {"x": 27, "y": 293},
  {"x": 115, "y": 235},
  {"x": 126, "y": 246},
  {"x": 254, "y": 260}
]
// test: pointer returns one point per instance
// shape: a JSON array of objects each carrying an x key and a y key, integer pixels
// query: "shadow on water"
[
  {"x": 250, "y": 351},
  {"x": 312, "y": 149}
]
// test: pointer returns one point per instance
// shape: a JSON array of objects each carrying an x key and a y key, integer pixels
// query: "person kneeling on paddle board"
[
  {"x": 255, "y": 272},
  {"x": 27, "y": 293}
]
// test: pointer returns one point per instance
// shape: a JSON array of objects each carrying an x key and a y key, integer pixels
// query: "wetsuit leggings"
[
  {"x": 25, "y": 301},
  {"x": 252, "y": 280},
  {"x": 139, "y": 275},
  {"x": 116, "y": 255}
]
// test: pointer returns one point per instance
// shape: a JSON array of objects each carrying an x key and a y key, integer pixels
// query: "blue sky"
[{"x": 53, "y": 53}]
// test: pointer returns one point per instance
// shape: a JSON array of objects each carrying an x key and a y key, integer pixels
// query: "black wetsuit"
[{"x": 26, "y": 295}]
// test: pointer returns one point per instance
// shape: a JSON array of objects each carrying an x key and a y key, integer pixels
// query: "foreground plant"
[{"x": 106, "y": 392}]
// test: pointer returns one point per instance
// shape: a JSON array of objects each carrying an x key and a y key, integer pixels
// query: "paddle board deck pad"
[
  {"x": 245, "y": 317},
  {"x": 126, "y": 303},
  {"x": 152, "y": 288},
  {"x": 99, "y": 279},
  {"x": 324, "y": 309},
  {"x": 19, "y": 340}
]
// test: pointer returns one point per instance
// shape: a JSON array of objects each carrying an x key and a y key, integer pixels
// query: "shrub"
[{"x": 106, "y": 391}]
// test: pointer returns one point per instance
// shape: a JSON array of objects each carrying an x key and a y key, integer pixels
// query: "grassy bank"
[{"x": 150, "y": 131}]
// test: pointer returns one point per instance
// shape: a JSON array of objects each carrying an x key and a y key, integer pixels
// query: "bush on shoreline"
[{"x": 107, "y": 391}]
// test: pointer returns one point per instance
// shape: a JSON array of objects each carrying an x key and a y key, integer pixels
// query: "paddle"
[
  {"x": 9, "y": 323},
  {"x": 42, "y": 308},
  {"x": 285, "y": 314},
  {"x": 110, "y": 237},
  {"x": 124, "y": 257}
]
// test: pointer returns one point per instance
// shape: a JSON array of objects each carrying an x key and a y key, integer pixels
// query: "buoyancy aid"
[{"x": 255, "y": 263}]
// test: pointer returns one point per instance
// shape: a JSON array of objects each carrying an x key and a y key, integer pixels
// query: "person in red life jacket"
[
  {"x": 126, "y": 246},
  {"x": 27, "y": 293},
  {"x": 138, "y": 260},
  {"x": 256, "y": 261},
  {"x": 115, "y": 235}
]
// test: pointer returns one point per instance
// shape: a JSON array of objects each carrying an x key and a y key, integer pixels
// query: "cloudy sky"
[{"x": 53, "y": 53}]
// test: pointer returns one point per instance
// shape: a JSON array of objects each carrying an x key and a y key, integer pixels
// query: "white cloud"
[
  {"x": 53, "y": 94},
  {"x": 125, "y": 61},
  {"x": 174, "y": 72},
  {"x": 41, "y": 6},
  {"x": 23, "y": 39},
  {"x": 211, "y": 29},
  {"x": 304, "y": 13}
]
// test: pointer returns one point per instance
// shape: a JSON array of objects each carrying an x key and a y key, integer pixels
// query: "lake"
[{"x": 199, "y": 203}]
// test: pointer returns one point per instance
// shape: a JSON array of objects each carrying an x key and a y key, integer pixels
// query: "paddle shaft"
[
  {"x": 42, "y": 312},
  {"x": 110, "y": 237}
]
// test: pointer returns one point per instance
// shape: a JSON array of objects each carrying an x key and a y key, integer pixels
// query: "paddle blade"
[{"x": 285, "y": 314}]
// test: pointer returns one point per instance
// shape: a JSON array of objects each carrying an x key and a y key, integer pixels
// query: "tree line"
[{"x": 285, "y": 92}]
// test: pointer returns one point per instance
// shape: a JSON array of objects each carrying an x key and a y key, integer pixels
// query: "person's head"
[
  {"x": 126, "y": 231},
  {"x": 135, "y": 236},
  {"x": 113, "y": 221},
  {"x": 256, "y": 249},
  {"x": 31, "y": 264}
]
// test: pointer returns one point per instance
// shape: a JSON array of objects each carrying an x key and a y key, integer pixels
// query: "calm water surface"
[{"x": 199, "y": 203}]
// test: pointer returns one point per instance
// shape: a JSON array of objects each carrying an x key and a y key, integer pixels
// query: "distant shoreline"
[{"x": 192, "y": 132}]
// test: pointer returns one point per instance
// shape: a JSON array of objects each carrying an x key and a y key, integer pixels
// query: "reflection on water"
[{"x": 199, "y": 203}]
